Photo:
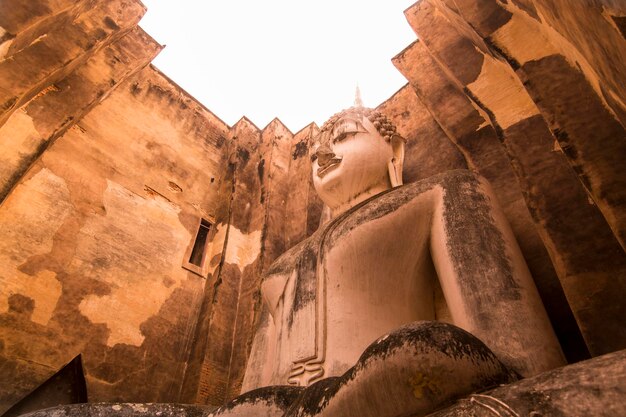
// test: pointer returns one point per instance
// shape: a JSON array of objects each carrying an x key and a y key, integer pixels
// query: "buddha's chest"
[
  {"x": 365, "y": 274},
  {"x": 362, "y": 260},
  {"x": 380, "y": 264},
  {"x": 377, "y": 277}
]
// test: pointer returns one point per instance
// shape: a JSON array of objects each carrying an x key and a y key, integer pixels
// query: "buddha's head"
[{"x": 357, "y": 154}]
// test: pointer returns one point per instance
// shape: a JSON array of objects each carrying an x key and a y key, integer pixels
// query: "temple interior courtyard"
[{"x": 151, "y": 253}]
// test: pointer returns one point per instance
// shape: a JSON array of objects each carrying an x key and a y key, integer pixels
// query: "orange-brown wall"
[{"x": 106, "y": 172}]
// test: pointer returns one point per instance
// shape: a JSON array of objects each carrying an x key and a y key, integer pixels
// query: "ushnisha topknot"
[{"x": 383, "y": 125}]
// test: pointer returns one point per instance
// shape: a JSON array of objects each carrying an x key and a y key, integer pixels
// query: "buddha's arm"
[
  {"x": 261, "y": 364},
  {"x": 485, "y": 279},
  {"x": 258, "y": 368}
]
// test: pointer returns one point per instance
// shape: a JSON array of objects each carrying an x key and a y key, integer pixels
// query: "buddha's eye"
[
  {"x": 341, "y": 136},
  {"x": 347, "y": 128},
  {"x": 313, "y": 157},
  {"x": 343, "y": 131}
]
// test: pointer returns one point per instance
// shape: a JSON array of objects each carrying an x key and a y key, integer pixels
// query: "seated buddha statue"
[
  {"x": 389, "y": 255},
  {"x": 408, "y": 298}
]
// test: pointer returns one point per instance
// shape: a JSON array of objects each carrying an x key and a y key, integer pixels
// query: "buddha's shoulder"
[
  {"x": 449, "y": 183},
  {"x": 305, "y": 251},
  {"x": 448, "y": 180},
  {"x": 454, "y": 183}
]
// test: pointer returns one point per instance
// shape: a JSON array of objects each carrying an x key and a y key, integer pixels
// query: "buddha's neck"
[{"x": 342, "y": 208}]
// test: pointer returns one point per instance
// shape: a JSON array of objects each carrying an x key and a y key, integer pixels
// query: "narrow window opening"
[{"x": 197, "y": 253}]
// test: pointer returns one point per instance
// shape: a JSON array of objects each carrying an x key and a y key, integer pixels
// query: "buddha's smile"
[{"x": 322, "y": 170}]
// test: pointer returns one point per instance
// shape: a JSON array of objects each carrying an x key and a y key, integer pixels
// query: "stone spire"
[{"x": 358, "y": 102}]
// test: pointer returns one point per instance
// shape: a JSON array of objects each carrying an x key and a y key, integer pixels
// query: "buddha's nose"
[{"x": 324, "y": 155}]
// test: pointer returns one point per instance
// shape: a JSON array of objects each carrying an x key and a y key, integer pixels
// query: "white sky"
[{"x": 296, "y": 60}]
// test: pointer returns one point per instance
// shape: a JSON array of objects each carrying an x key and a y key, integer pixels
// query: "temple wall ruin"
[
  {"x": 542, "y": 93},
  {"x": 107, "y": 168}
]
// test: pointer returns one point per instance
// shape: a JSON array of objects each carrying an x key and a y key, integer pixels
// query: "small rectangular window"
[{"x": 197, "y": 253}]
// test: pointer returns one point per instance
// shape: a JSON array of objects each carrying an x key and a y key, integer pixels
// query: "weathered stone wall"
[
  {"x": 271, "y": 206},
  {"x": 528, "y": 101},
  {"x": 55, "y": 68},
  {"x": 106, "y": 169}
]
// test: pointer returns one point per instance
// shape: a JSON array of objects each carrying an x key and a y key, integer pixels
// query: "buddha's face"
[{"x": 350, "y": 161}]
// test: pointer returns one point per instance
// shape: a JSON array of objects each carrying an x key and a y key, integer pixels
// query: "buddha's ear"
[{"x": 396, "y": 163}]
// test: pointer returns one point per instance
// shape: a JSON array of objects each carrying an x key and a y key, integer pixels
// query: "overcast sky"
[{"x": 296, "y": 60}]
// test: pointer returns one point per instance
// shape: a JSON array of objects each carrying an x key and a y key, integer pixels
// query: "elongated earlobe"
[
  {"x": 393, "y": 174},
  {"x": 395, "y": 165}
]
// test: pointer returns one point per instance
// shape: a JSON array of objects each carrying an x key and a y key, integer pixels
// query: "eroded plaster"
[
  {"x": 526, "y": 39},
  {"x": 242, "y": 248},
  {"x": 4, "y": 47},
  {"x": 510, "y": 103},
  {"x": 19, "y": 138},
  {"x": 28, "y": 224},
  {"x": 146, "y": 231}
]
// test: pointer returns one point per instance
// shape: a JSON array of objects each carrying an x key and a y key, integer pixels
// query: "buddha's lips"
[{"x": 332, "y": 163}]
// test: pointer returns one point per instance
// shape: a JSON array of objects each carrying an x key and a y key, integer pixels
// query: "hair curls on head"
[{"x": 383, "y": 125}]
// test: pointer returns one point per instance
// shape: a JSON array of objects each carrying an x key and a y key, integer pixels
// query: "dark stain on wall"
[
  {"x": 528, "y": 7},
  {"x": 243, "y": 155},
  {"x": 595, "y": 136},
  {"x": 446, "y": 43},
  {"x": 19, "y": 172},
  {"x": 555, "y": 200},
  {"x": 110, "y": 23},
  {"x": 301, "y": 149},
  {"x": 498, "y": 51},
  {"x": 260, "y": 169},
  {"x": 492, "y": 118},
  {"x": 21, "y": 304}
]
